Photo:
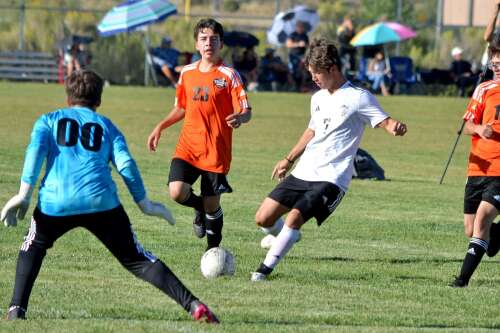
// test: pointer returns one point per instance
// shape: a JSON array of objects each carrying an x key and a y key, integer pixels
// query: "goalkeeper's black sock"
[
  {"x": 264, "y": 269},
  {"x": 477, "y": 248},
  {"x": 193, "y": 201},
  {"x": 28, "y": 266},
  {"x": 164, "y": 279},
  {"x": 214, "y": 222}
]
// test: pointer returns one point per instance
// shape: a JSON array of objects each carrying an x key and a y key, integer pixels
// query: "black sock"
[
  {"x": 477, "y": 248},
  {"x": 214, "y": 222},
  {"x": 28, "y": 266},
  {"x": 494, "y": 230},
  {"x": 160, "y": 276},
  {"x": 193, "y": 201},
  {"x": 264, "y": 269}
]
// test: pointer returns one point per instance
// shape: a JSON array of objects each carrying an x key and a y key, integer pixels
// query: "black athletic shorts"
[
  {"x": 212, "y": 183},
  {"x": 112, "y": 227},
  {"x": 312, "y": 199},
  {"x": 481, "y": 188}
]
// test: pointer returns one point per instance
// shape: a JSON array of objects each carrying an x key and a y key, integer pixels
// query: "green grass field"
[{"x": 381, "y": 262}]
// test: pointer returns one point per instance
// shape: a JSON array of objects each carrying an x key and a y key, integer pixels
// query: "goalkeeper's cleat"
[
  {"x": 16, "y": 313},
  {"x": 268, "y": 241},
  {"x": 199, "y": 227},
  {"x": 201, "y": 312},
  {"x": 458, "y": 283}
]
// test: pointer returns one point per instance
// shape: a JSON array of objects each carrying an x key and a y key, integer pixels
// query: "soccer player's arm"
[
  {"x": 176, "y": 114},
  {"x": 239, "y": 98},
  {"x": 473, "y": 118},
  {"x": 285, "y": 164},
  {"x": 36, "y": 153},
  {"x": 128, "y": 170},
  {"x": 490, "y": 27},
  {"x": 393, "y": 126}
]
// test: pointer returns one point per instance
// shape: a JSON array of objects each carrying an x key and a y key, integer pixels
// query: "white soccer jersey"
[{"x": 338, "y": 121}]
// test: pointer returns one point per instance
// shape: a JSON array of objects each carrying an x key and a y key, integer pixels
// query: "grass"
[{"x": 380, "y": 263}]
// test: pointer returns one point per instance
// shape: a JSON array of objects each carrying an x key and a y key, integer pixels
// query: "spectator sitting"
[
  {"x": 83, "y": 55},
  {"x": 461, "y": 71},
  {"x": 246, "y": 65},
  {"x": 273, "y": 73},
  {"x": 297, "y": 44},
  {"x": 378, "y": 73},
  {"x": 347, "y": 52},
  {"x": 165, "y": 59}
]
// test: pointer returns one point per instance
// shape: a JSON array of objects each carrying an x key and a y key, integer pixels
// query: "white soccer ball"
[{"x": 217, "y": 262}]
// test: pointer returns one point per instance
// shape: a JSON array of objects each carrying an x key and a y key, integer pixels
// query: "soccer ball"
[{"x": 217, "y": 262}]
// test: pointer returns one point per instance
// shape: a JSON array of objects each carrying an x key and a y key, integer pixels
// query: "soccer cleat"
[
  {"x": 257, "y": 276},
  {"x": 268, "y": 241},
  {"x": 16, "y": 313},
  {"x": 458, "y": 283},
  {"x": 199, "y": 227},
  {"x": 201, "y": 312}
]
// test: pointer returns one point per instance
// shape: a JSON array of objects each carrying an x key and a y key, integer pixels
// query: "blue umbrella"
[{"x": 133, "y": 14}]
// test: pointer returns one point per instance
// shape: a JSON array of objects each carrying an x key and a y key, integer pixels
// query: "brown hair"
[
  {"x": 209, "y": 23},
  {"x": 322, "y": 55},
  {"x": 493, "y": 49},
  {"x": 84, "y": 88}
]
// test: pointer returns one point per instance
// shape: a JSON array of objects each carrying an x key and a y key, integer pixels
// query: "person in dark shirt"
[
  {"x": 273, "y": 73},
  {"x": 297, "y": 43},
  {"x": 347, "y": 52},
  {"x": 165, "y": 58},
  {"x": 461, "y": 71}
]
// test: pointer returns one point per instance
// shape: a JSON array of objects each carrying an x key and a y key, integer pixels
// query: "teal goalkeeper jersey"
[{"x": 78, "y": 146}]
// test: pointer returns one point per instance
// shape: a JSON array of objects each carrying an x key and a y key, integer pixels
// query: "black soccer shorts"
[
  {"x": 212, "y": 183},
  {"x": 111, "y": 227},
  {"x": 312, "y": 199},
  {"x": 481, "y": 188}
]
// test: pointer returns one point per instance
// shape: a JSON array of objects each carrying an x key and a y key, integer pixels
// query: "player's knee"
[
  {"x": 262, "y": 220},
  {"x": 177, "y": 194}
]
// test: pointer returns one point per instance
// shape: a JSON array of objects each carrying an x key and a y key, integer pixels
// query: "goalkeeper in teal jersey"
[{"x": 77, "y": 145}]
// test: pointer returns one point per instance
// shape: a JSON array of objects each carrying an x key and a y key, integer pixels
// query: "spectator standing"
[
  {"x": 297, "y": 44},
  {"x": 347, "y": 52}
]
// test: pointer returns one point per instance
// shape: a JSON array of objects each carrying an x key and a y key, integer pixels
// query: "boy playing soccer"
[
  {"x": 78, "y": 191},
  {"x": 339, "y": 114},
  {"x": 211, "y": 100},
  {"x": 482, "y": 190}
]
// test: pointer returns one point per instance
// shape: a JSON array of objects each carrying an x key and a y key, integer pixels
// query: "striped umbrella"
[
  {"x": 381, "y": 33},
  {"x": 133, "y": 14}
]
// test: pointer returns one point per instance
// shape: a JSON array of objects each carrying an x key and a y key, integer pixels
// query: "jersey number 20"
[{"x": 68, "y": 132}]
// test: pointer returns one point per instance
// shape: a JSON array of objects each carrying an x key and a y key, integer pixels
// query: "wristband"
[{"x": 289, "y": 160}]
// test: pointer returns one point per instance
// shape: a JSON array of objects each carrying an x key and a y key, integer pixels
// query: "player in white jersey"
[{"x": 339, "y": 114}]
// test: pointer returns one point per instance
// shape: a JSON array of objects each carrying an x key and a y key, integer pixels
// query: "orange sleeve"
[
  {"x": 238, "y": 93},
  {"x": 475, "y": 107},
  {"x": 180, "y": 93}
]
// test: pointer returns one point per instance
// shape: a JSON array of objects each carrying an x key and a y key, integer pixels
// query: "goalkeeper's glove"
[
  {"x": 152, "y": 208},
  {"x": 17, "y": 206}
]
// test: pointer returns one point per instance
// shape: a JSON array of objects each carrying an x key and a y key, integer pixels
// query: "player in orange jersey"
[
  {"x": 212, "y": 101},
  {"x": 482, "y": 190}
]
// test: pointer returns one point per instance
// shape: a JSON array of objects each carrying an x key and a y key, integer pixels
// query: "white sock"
[
  {"x": 275, "y": 228},
  {"x": 281, "y": 245}
]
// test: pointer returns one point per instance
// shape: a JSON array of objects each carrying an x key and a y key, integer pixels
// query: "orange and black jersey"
[
  {"x": 484, "y": 108},
  {"x": 208, "y": 98}
]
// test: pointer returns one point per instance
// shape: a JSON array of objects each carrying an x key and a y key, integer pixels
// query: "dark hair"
[
  {"x": 493, "y": 49},
  {"x": 209, "y": 23},
  {"x": 322, "y": 55},
  {"x": 84, "y": 87}
]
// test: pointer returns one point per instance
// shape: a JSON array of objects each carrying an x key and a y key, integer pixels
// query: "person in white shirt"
[{"x": 339, "y": 113}]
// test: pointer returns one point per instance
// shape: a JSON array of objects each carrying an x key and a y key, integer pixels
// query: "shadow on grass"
[{"x": 397, "y": 261}]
